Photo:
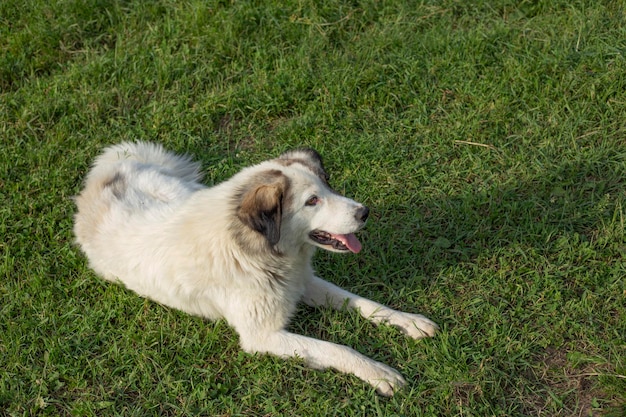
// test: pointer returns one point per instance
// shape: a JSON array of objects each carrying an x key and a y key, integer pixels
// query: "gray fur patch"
[{"x": 117, "y": 184}]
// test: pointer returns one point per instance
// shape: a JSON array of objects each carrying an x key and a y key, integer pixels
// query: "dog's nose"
[{"x": 362, "y": 213}]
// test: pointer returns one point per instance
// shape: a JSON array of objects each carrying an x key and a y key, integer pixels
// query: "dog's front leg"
[
  {"x": 321, "y": 354},
  {"x": 319, "y": 292}
]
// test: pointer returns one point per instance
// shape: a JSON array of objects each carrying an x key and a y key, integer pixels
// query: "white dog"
[{"x": 240, "y": 250}]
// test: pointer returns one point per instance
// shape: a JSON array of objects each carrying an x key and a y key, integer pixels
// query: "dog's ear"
[
  {"x": 262, "y": 205},
  {"x": 308, "y": 157}
]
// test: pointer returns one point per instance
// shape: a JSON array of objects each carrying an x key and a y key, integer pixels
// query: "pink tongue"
[{"x": 350, "y": 241}]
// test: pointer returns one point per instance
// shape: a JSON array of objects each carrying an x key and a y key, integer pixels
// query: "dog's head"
[{"x": 291, "y": 203}]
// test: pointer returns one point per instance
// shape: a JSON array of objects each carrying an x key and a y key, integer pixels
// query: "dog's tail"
[{"x": 153, "y": 154}]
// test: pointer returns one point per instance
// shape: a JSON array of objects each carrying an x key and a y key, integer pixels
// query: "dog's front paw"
[
  {"x": 383, "y": 378},
  {"x": 414, "y": 325}
]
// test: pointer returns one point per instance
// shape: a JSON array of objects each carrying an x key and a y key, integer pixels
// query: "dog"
[{"x": 240, "y": 250}]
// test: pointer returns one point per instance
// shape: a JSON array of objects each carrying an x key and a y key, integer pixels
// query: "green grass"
[{"x": 488, "y": 137}]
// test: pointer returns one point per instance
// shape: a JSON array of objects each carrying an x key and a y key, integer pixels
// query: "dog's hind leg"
[
  {"x": 320, "y": 354},
  {"x": 319, "y": 292}
]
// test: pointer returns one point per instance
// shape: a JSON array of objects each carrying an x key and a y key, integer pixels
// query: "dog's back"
[
  {"x": 129, "y": 180},
  {"x": 142, "y": 154}
]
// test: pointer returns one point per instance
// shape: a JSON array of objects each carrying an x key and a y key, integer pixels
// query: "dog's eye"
[{"x": 312, "y": 201}]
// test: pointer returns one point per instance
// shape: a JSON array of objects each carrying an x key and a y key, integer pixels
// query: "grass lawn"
[{"x": 487, "y": 137}]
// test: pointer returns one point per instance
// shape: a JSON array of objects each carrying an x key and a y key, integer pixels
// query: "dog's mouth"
[{"x": 339, "y": 243}]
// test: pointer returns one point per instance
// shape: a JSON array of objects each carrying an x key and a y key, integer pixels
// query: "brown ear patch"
[
  {"x": 307, "y": 157},
  {"x": 261, "y": 204}
]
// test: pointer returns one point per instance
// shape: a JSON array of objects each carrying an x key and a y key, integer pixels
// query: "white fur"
[{"x": 144, "y": 219}]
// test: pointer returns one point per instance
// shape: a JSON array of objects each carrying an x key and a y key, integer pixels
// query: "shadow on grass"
[{"x": 524, "y": 273}]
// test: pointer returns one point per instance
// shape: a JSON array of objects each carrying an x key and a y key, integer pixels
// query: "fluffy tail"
[{"x": 169, "y": 163}]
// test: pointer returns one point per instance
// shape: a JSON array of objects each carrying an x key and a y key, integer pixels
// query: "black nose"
[{"x": 362, "y": 213}]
